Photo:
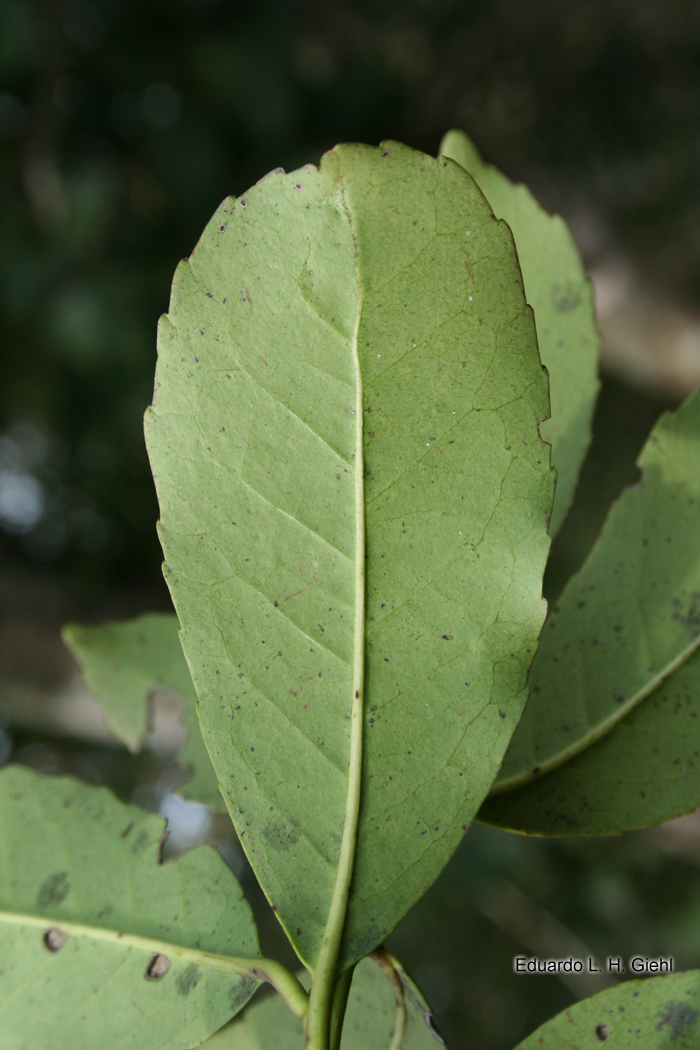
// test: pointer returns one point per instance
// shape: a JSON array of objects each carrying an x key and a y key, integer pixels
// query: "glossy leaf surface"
[
  {"x": 645, "y": 771},
  {"x": 630, "y": 619},
  {"x": 377, "y": 1018},
  {"x": 559, "y": 292},
  {"x": 122, "y": 663},
  {"x": 346, "y": 342},
  {"x": 661, "y": 1013},
  {"x": 80, "y": 883}
]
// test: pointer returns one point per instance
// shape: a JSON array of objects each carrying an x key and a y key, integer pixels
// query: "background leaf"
[
  {"x": 74, "y": 854},
  {"x": 561, "y": 295},
  {"x": 645, "y": 771},
  {"x": 370, "y": 1020},
  {"x": 122, "y": 663},
  {"x": 252, "y": 442},
  {"x": 656, "y": 1014},
  {"x": 629, "y": 619}
]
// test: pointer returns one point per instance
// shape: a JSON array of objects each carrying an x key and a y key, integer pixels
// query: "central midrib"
[{"x": 326, "y": 969}]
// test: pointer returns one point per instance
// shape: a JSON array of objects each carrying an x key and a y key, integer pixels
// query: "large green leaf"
[
  {"x": 122, "y": 663},
  {"x": 559, "y": 292},
  {"x": 661, "y": 1013},
  {"x": 629, "y": 620},
  {"x": 645, "y": 771},
  {"x": 380, "y": 1016},
  {"x": 87, "y": 911},
  {"x": 354, "y": 500}
]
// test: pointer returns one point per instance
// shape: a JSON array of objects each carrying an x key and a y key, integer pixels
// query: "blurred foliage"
[{"x": 123, "y": 124}]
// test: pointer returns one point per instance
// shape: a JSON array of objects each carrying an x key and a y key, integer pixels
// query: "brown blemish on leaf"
[
  {"x": 157, "y": 967},
  {"x": 54, "y": 939}
]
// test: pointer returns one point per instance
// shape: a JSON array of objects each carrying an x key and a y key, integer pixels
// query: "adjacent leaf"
[
  {"x": 346, "y": 342},
  {"x": 378, "y": 1017},
  {"x": 559, "y": 292},
  {"x": 122, "y": 663},
  {"x": 661, "y": 1013},
  {"x": 629, "y": 620},
  {"x": 645, "y": 771},
  {"x": 81, "y": 884}
]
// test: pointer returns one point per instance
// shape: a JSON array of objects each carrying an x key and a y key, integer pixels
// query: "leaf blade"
[
  {"x": 628, "y": 620},
  {"x": 74, "y": 861},
  {"x": 272, "y": 291},
  {"x": 122, "y": 662},
  {"x": 557, "y": 288},
  {"x": 651, "y": 1014},
  {"x": 644, "y": 772}
]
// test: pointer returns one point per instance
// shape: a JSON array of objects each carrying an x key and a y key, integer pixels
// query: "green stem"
[
  {"x": 340, "y": 1002},
  {"x": 268, "y": 970},
  {"x": 318, "y": 1021}
]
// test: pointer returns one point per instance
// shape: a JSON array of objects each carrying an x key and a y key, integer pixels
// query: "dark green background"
[{"x": 122, "y": 126}]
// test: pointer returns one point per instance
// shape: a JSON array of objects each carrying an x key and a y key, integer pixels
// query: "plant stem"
[
  {"x": 318, "y": 1021},
  {"x": 340, "y": 1002},
  {"x": 268, "y": 970}
]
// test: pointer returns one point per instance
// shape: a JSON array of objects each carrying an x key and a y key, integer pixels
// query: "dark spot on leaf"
[
  {"x": 447, "y": 637},
  {"x": 54, "y": 889},
  {"x": 565, "y": 297},
  {"x": 280, "y": 835},
  {"x": 602, "y": 1032},
  {"x": 187, "y": 980},
  {"x": 140, "y": 843},
  {"x": 679, "y": 1017},
  {"x": 157, "y": 968},
  {"x": 54, "y": 939}
]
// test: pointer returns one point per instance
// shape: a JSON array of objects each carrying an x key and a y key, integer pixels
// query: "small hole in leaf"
[
  {"x": 54, "y": 939},
  {"x": 602, "y": 1032},
  {"x": 157, "y": 967}
]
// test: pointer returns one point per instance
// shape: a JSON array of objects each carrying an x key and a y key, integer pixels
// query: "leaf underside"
[
  {"x": 624, "y": 629},
  {"x": 557, "y": 288},
  {"x": 370, "y": 1020},
  {"x": 645, "y": 771},
  {"x": 383, "y": 268},
  {"x": 122, "y": 664},
  {"x": 654, "y": 1014},
  {"x": 73, "y": 854}
]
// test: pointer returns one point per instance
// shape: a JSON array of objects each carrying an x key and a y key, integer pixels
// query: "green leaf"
[
  {"x": 645, "y": 771},
  {"x": 87, "y": 910},
  {"x": 380, "y": 1016},
  {"x": 660, "y": 1013},
  {"x": 353, "y": 501},
  {"x": 122, "y": 663},
  {"x": 559, "y": 292},
  {"x": 629, "y": 620}
]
